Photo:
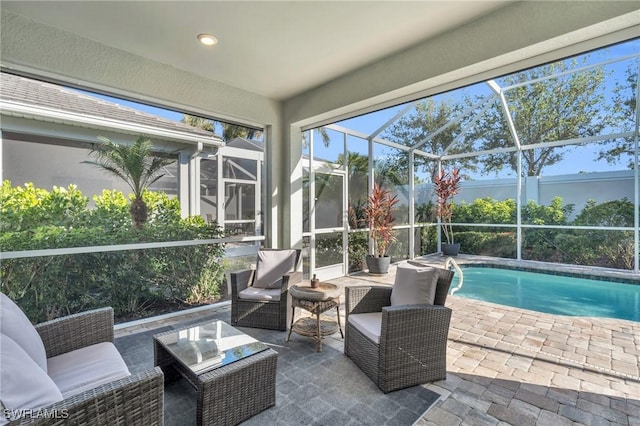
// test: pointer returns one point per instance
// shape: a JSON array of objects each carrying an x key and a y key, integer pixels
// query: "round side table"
[{"x": 315, "y": 300}]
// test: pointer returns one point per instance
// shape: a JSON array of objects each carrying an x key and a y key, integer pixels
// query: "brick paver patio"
[{"x": 519, "y": 367}]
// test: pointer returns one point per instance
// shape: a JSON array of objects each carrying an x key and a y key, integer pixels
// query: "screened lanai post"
[
  {"x": 312, "y": 208},
  {"x": 439, "y": 233},
  {"x": 194, "y": 181},
  {"x": 220, "y": 198},
  {"x": 637, "y": 178},
  {"x": 372, "y": 180},
  {"x": 411, "y": 201},
  {"x": 183, "y": 182},
  {"x": 519, "y": 207},
  {"x": 345, "y": 208},
  {"x": 258, "y": 199}
]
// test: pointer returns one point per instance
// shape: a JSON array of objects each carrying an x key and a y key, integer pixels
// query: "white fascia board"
[
  {"x": 29, "y": 111},
  {"x": 232, "y": 151}
]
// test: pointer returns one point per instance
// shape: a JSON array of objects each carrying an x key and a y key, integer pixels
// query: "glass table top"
[{"x": 208, "y": 346}]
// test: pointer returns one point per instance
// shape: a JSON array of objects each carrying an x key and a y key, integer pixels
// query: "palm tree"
[
  {"x": 135, "y": 165},
  {"x": 199, "y": 122},
  {"x": 229, "y": 131}
]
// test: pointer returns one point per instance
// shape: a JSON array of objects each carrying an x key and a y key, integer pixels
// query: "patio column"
[
  {"x": 283, "y": 215},
  {"x": 292, "y": 218}
]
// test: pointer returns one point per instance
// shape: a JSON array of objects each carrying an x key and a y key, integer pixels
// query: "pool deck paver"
[{"x": 508, "y": 366}]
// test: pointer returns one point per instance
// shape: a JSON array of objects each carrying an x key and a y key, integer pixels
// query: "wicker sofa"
[
  {"x": 131, "y": 399},
  {"x": 265, "y": 306},
  {"x": 412, "y": 341}
]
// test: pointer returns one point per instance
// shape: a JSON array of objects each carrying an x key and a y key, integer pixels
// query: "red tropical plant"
[
  {"x": 446, "y": 185},
  {"x": 379, "y": 216}
]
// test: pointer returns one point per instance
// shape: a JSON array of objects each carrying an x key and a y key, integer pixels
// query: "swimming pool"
[{"x": 553, "y": 294}]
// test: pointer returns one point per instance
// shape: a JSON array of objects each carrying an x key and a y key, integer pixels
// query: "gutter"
[{"x": 82, "y": 120}]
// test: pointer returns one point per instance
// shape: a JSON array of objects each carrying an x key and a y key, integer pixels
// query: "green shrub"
[
  {"x": 497, "y": 244},
  {"x": 131, "y": 281},
  {"x": 553, "y": 214},
  {"x": 610, "y": 213},
  {"x": 428, "y": 236},
  {"x": 486, "y": 210},
  {"x": 358, "y": 250}
]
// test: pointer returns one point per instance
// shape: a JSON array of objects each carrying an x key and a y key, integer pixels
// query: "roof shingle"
[{"x": 62, "y": 99}]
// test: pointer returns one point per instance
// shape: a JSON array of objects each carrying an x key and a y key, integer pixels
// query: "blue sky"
[{"x": 580, "y": 159}]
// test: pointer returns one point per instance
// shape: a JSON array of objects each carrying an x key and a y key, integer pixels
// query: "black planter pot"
[
  {"x": 378, "y": 265},
  {"x": 450, "y": 249}
]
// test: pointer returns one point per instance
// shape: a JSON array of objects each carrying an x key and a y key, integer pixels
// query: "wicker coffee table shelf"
[{"x": 315, "y": 300}]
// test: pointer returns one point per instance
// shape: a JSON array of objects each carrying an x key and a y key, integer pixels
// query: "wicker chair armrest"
[
  {"x": 291, "y": 279},
  {"x": 414, "y": 322},
  {"x": 76, "y": 331},
  {"x": 240, "y": 280},
  {"x": 135, "y": 400},
  {"x": 362, "y": 299}
]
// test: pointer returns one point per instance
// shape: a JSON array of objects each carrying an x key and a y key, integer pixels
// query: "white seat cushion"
[
  {"x": 272, "y": 265},
  {"x": 369, "y": 324},
  {"x": 261, "y": 294},
  {"x": 15, "y": 324},
  {"x": 414, "y": 285},
  {"x": 23, "y": 384},
  {"x": 87, "y": 368}
]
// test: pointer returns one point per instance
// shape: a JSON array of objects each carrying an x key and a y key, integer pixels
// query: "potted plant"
[
  {"x": 379, "y": 217},
  {"x": 446, "y": 185}
]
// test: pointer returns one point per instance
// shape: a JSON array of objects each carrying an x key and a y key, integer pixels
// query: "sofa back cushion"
[
  {"x": 24, "y": 385},
  {"x": 414, "y": 285},
  {"x": 272, "y": 265},
  {"x": 15, "y": 324}
]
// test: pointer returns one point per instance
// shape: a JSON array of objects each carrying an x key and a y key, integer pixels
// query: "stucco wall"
[{"x": 573, "y": 188}]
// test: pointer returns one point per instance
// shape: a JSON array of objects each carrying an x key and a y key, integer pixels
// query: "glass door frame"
[{"x": 336, "y": 270}]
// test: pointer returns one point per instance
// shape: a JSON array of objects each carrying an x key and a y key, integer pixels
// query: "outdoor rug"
[{"x": 312, "y": 388}]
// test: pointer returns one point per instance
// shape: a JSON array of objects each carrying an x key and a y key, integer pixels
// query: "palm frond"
[{"x": 134, "y": 164}]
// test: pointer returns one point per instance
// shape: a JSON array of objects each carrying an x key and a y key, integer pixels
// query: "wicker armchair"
[
  {"x": 265, "y": 313},
  {"x": 412, "y": 348},
  {"x": 135, "y": 400}
]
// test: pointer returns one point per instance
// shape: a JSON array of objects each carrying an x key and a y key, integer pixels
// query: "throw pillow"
[
  {"x": 24, "y": 384},
  {"x": 443, "y": 282},
  {"x": 272, "y": 265},
  {"x": 414, "y": 285},
  {"x": 15, "y": 324}
]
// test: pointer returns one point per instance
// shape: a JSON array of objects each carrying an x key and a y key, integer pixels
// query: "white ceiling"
[{"x": 274, "y": 48}]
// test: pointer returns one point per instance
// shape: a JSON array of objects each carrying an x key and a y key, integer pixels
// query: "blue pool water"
[{"x": 553, "y": 294}]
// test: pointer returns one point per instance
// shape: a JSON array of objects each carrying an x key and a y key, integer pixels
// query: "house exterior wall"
[
  {"x": 47, "y": 166},
  {"x": 574, "y": 189}
]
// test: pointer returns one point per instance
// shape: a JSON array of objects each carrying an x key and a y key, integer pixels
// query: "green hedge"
[
  {"x": 602, "y": 248},
  {"x": 612, "y": 249},
  {"x": 131, "y": 281}
]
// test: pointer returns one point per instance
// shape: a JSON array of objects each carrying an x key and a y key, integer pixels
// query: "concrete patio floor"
[{"x": 519, "y": 367}]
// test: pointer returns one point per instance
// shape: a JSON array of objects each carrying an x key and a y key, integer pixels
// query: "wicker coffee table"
[
  {"x": 315, "y": 300},
  {"x": 234, "y": 374}
]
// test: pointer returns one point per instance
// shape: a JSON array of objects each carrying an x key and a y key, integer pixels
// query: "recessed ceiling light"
[{"x": 207, "y": 39}]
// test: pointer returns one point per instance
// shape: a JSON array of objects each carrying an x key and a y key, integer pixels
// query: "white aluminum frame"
[{"x": 499, "y": 93}]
